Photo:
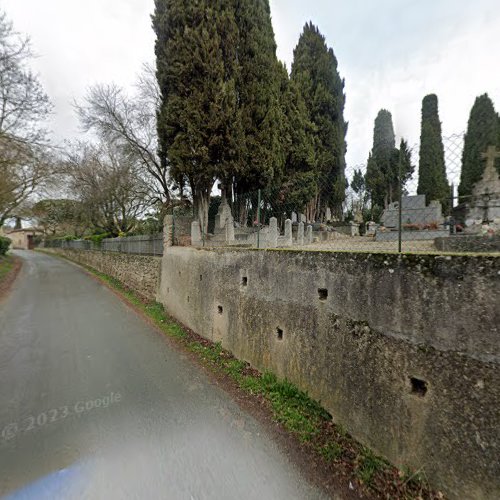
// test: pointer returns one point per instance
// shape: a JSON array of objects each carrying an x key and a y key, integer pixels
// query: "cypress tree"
[
  {"x": 482, "y": 131},
  {"x": 197, "y": 73},
  {"x": 383, "y": 168},
  {"x": 432, "y": 180},
  {"x": 315, "y": 71},
  {"x": 380, "y": 171},
  {"x": 299, "y": 177},
  {"x": 258, "y": 89}
]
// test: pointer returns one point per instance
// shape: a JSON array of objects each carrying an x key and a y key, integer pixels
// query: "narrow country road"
[{"x": 94, "y": 403}]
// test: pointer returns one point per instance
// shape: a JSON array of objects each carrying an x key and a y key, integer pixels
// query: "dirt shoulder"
[{"x": 9, "y": 269}]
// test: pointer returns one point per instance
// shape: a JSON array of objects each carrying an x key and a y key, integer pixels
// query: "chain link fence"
[{"x": 369, "y": 214}]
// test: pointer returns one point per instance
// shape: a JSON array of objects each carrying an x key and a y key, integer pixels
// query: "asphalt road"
[{"x": 94, "y": 403}]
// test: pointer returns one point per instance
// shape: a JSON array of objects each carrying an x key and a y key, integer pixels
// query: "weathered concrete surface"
[
  {"x": 402, "y": 350},
  {"x": 66, "y": 340},
  {"x": 469, "y": 243},
  {"x": 139, "y": 272}
]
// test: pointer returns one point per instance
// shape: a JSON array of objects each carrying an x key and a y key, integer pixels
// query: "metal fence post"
[
  {"x": 400, "y": 210},
  {"x": 258, "y": 219}
]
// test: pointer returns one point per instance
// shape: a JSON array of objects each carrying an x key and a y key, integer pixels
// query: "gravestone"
[
  {"x": 223, "y": 216},
  {"x": 288, "y": 233},
  {"x": 302, "y": 218},
  {"x": 300, "y": 234},
  {"x": 371, "y": 228},
  {"x": 484, "y": 207},
  {"x": 272, "y": 241},
  {"x": 196, "y": 239},
  {"x": 309, "y": 235},
  {"x": 294, "y": 217},
  {"x": 414, "y": 211},
  {"x": 328, "y": 214}
]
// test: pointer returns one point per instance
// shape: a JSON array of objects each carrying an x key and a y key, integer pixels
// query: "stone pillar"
[
  {"x": 328, "y": 214},
  {"x": 288, "y": 233},
  {"x": 300, "y": 234},
  {"x": 168, "y": 228},
  {"x": 229, "y": 229},
  {"x": 309, "y": 235},
  {"x": 273, "y": 233},
  {"x": 196, "y": 239}
]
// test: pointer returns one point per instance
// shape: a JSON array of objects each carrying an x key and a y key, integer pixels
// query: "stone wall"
[
  {"x": 466, "y": 243},
  {"x": 141, "y": 273},
  {"x": 402, "y": 350}
]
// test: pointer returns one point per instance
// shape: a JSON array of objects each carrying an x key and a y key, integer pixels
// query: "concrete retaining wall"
[
  {"x": 402, "y": 350},
  {"x": 141, "y": 273}
]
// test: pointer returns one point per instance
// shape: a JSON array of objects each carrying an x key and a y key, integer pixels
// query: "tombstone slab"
[
  {"x": 309, "y": 235},
  {"x": 300, "y": 234}
]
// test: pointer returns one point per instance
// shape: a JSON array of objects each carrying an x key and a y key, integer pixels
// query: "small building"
[{"x": 23, "y": 239}]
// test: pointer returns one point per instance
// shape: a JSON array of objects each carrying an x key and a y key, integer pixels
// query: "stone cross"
[{"x": 490, "y": 156}]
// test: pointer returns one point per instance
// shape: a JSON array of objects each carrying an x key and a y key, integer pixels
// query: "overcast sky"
[{"x": 391, "y": 53}]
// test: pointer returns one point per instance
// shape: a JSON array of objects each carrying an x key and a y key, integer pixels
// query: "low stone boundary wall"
[
  {"x": 466, "y": 243},
  {"x": 411, "y": 235},
  {"x": 141, "y": 273},
  {"x": 403, "y": 350}
]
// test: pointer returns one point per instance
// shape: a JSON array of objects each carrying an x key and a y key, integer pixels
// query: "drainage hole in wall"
[
  {"x": 418, "y": 387},
  {"x": 188, "y": 298},
  {"x": 201, "y": 277},
  {"x": 220, "y": 310},
  {"x": 244, "y": 281},
  {"x": 323, "y": 294},
  {"x": 279, "y": 333}
]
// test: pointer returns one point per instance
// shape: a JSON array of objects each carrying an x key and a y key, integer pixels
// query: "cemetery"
[{"x": 237, "y": 197}]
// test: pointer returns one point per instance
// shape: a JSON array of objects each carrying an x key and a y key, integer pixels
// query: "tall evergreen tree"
[
  {"x": 298, "y": 180},
  {"x": 386, "y": 164},
  {"x": 315, "y": 72},
  {"x": 258, "y": 90},
  {"x": 432, "y": 180},
  {"x": 197, "y": 73},
  {"x": 483, "y": 130}
]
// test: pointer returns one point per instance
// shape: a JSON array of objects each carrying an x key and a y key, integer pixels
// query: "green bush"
[
  {"x": 4, "y": 244},
  {"x": 97, "y": 238}
]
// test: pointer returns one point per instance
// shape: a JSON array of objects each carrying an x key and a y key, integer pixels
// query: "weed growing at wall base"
[{"x": 292, "y": 408}]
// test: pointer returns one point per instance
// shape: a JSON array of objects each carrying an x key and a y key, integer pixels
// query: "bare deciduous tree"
[
  {"x": 104, "y": 178},
  {"x": 24, "y": 160},
  {"x": 131, "y": 121}
]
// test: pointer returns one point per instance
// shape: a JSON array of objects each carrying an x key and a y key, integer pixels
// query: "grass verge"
[
  {"x": 6, "y": 265},
  {"x": 292, "y": 408}
]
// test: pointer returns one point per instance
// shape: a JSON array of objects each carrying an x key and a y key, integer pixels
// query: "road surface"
[{"x": 94, "y": 403}]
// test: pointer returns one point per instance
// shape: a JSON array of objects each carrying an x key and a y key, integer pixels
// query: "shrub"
[
  {"x": 4, "y": 244},
  {"x": 97, "y": 238}
]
